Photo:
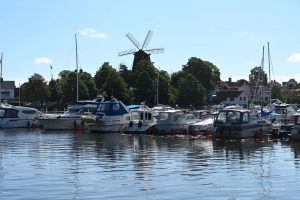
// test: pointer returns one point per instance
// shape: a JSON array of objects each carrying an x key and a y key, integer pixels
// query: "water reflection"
[{"x": 77, "y": 165}]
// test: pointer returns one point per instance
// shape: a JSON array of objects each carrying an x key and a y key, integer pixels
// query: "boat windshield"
[{"x": 228, "y": 116}]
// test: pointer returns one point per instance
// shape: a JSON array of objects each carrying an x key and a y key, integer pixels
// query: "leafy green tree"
[
  {"x": 126, "y": 74},
  {"x": 166, "y": 91},
  {"x": 257, "y": 74},
  {"x": 111, "y": 83},
  {"x": 276, "y": 92},
  {"x": 35, "y": 90},
  {"x": 145, "y": 83},
  {"x": 206, "y": 73},
  {"x": 101, "y": 75},
  {"x": 242, "y": 81},
  {"x": 55, "y": 91},
  {"x": 191, "y": 92},
  {"x": 88, "y": 83}
]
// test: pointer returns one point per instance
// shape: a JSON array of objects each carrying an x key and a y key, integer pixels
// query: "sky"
[{"x": 230, "y": 34}]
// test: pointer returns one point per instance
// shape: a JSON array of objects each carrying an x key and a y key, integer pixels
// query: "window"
[
  {"x": 241, "y": 98},
  {"x": 231, "y": 99},
  {"x": 245, "y": 117},
  {"x": 30, "y": 112},
  {"x": 244, "y": 98},
  {"x": 11, "y": 113}
]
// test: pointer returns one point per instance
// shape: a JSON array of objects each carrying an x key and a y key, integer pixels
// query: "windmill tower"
[{"x": 140, "y": 52}]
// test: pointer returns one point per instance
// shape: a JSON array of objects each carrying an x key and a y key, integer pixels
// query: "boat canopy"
[{"x": 112, "y": 108}]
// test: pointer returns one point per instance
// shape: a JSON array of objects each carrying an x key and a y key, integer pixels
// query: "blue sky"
[{"x": 230, "y": 34}]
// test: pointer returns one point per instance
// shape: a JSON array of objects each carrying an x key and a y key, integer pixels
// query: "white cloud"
[
  {"x": 90, "y": 32},
  {"x": 43, "y": 60},
  {"x": 245, "y": 33},
  {"x": 294, "y": 58}
]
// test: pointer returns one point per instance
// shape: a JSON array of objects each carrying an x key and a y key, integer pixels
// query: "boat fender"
[
  {"x": 78, "y": 127},
  {"x": 150, "y": 131},
  {"x": 140, "y": 124},
  {"x": 130, "y": 123},
  {"x": 258, "y": 134},
  {"x": 173, "y": 132},
  {"x": 195, "y": 133},
  {"x": 34, "y": 125}
]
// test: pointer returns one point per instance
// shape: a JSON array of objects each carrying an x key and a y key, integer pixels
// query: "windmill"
[{"x": 140, "y": 52}]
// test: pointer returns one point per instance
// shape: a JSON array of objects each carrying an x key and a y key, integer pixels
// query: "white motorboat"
[
  {"x": 111, "y": 116},
  {"x": 282, "y": 120},
  {"x": 238, "y": 123},
  {"x": 142, "y": 121},
  {"x": 295, "y": 131},
  {"x": 70, "y": 119},
  {"x": 174, "y": 122},
  {"x": 19, "y": 116}
]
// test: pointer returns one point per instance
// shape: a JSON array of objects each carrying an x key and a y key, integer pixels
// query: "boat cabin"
[{"x": 233, "y": 116}]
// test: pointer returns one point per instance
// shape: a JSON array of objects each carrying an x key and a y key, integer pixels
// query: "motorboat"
[
  {"x": 142, "y": 121},
  {"x": 71, "y": 118},
  {"x": 282, "y": 120},
  {"x": 19, "y": 116},
  {"x": 295, "y": 131},
  {"x": 238, "y": 123},
  {"x": 111, "y": 116},
  {"x": 174, "y": 122},
  {"x": 203, "y": 127}
]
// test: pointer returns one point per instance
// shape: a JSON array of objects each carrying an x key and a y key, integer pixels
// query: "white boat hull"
[
  {"x": 61, "y": 123},
  {"x": 18, "y": 123},
  {"x": 106, "y": 128}
]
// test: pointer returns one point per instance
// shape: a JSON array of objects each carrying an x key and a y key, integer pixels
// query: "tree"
[
  {"x": 242, "y": 82},
  {"x": 145, "y": 82},
  {"x": 110, "y": 83},
  {"x": 166, "y": 91},
  {"x": 206, "y": 73},
  {"x": 55, "y": 91},
  {"x": 101, "y": 75},
  {"x": 276, "y": 92},
  {"x": 35, "y": 90},
  {"x": 126, "y": 74},
  {"x": 191, "y": 92},
  {"x": 257, "y": 74}
]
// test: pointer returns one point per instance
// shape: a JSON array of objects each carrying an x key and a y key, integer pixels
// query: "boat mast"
[
  {"x": 262, "y": 77},
  {"x": 157, "y": 88},
  {"x": 269, "y": 73},
  {"x": 1, "y": 80},
  {"x": 77, "y": 95}
]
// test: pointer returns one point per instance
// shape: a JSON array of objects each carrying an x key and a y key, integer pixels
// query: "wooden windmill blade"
[
  {"x": 133, "y": 40},
  {"x": 126, "y": 52},
  {"x": 155, "y": 51},
  {"x": 147, "y": 39}
]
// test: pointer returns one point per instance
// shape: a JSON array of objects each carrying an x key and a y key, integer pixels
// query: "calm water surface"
[{"x": 37, "y": 164}]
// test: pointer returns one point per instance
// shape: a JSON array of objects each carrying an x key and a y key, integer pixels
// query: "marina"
[{"x": 41, "y": 164}]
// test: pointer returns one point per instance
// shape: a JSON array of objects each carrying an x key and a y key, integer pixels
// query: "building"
[
  {"x": 233, "y": 97},
  {"x": 8, "y": 90}
]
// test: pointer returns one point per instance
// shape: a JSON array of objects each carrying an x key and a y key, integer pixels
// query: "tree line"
[{"x": 187, "y": 87}]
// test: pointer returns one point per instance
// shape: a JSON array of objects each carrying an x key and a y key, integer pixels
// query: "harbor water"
[{"x": 38, "y": 164}]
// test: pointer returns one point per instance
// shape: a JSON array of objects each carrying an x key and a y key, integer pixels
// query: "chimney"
[{"x": 229, "y": 80}]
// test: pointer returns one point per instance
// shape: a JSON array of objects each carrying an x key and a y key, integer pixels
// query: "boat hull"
[
  {"x": 18, "y": 123},
  {"x": 237, "y": 132},
  {"x": 61, "y": 123}
]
